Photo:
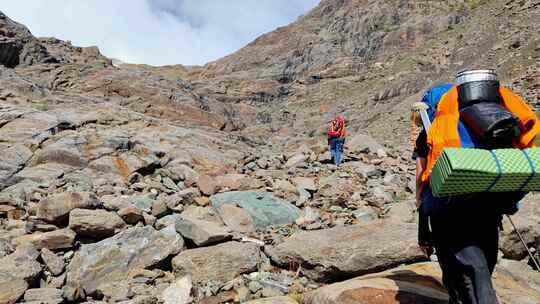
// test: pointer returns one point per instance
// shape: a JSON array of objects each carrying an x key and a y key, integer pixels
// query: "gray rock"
[
  {"x": 220, "y": 263},
  {"x": 115, "y": 203},
  {"x": 113, "y": 258},
  {"x": 296, "y": 160},
  {"x": 527, "y": 221},
  {"x": 18, "y": 270},
  {"x": 361, "y": 142},
  {"x": 169, "y": 220},
  {"x": 202, "y": 232},
  {"x": 382, "y": 195},
  {"x": 144, "y": 203},
  {"x": 55, "y": 209},
  {"x": 54, "y": 263},
  {"x": 13, "y": 158},
  {"x": 264, "y": 209},
  {"x": 349, "y": 250},
  {"x": 95, "y": 223},
  {"x": 305, "y": 183},
  {"x": 179, "y": 292},
  {"x": 44, "y": 295},
  {"x": 366, "y": 171}
]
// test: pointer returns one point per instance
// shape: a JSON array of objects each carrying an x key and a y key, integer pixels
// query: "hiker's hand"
[{"x": 428, "y": 250}]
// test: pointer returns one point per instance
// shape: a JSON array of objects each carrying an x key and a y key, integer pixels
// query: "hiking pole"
[
  {"x": 524, "y": 244},
  {"x": 421, "y": 108}
]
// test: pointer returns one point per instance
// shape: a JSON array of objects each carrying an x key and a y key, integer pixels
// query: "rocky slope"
[{"x": 139, "y": 184}]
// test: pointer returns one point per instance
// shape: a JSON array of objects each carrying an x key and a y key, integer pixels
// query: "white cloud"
[{"x": 157, "y": 32}]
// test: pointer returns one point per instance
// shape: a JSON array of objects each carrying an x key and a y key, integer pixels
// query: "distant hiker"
[
  {"x": 336, "y": 138},
  {"x": 464, "y": 230}
]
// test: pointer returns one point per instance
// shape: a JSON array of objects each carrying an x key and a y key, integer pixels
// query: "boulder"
[
  {"x": 18, "y": 271},
  {"x": 352, "y": 250},
  {"x": 179, "y": 292},
  {"x": 44, "y": 295},
  {"x": 54, "y": 263},
  {"x": 131, "y": 215},
  {"x": 419, "y": 283},
  {"x": 113, "y": 258},
  {"x": 296, "y": 160},
  {"x": 218, "y": 264},
  {"x": 207, "y": 184},
  {"x": 95, "y": 223},
  {"x": 527, "y": 221},
  {"x": 202, "y": 232},
  {"x": 57, "y": 239},
  {"x": 12, "y": 290},
  {"x": 56, "y": 208},
  {"x": 264, "y": 208},
  {"x": 284, "y": 186},
  {"x": 362, "y": 142}
]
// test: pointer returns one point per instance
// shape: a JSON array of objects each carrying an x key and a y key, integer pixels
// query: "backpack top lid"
[{"x": 467, "y": 76}]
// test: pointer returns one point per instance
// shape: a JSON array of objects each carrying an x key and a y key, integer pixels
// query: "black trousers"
[{"x": 466, "y": 245}]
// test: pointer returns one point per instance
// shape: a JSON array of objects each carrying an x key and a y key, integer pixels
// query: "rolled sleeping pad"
[{"x": 491, "y": 124}]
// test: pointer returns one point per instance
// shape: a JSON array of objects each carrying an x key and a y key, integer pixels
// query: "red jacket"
[{"x": 337, "y": 128}]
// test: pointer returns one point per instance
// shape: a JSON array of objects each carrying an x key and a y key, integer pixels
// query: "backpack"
[{"x": 503, "y": 202}]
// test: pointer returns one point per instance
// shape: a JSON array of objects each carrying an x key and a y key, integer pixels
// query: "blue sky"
[{"x": 158, "y": 32}]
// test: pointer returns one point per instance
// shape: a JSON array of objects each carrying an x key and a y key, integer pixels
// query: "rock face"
[
  {"x": 264, "y": 209},
  {"x": 337, "y": 252},
  {"x": 18, "y": 46},
  {"x": 113, "y": 258},
  {"x": 219, "y": 263}
]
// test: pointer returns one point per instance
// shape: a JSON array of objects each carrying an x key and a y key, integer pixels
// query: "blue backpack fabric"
[
  {"x": 506, "y": 202},
  {"x": 432, "y": 98}
]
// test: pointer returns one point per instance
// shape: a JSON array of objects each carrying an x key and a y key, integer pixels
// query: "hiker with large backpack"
[
  {"x": 464, "y": 229},
  {"x": 336, "y": 138}
]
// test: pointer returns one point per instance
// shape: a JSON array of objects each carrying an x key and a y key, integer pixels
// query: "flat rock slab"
[
  {"x": 113, "y": 258},
  {"x": 220, "y": 263},
  {"x": 264, "y": 208},
  {"x": 418, "y": 283},
  {"x": 95, "y": 223},
  {"x": 348, "y": 251},
  {"x": 57, "y": 239}
]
